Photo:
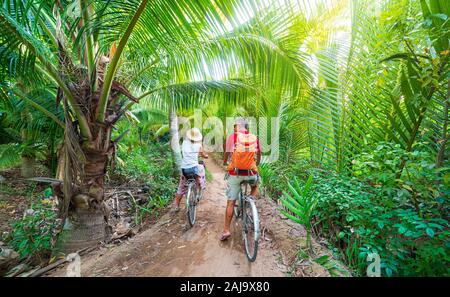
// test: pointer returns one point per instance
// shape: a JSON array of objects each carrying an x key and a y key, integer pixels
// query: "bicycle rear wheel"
[
  {"x": 250, "y": 228},
  {"x": 191, "y": 204}
]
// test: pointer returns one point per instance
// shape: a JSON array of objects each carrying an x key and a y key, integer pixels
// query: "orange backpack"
[{"x": 243, "y": 156}]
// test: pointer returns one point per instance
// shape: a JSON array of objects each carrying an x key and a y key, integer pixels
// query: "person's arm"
[
  {"x": 228, "y": 149},
  {"x": 258, "y": 153},
  {"x": 258, "y": 158},
  {"x": 225, "y": 158},
  {"x": 203, "y": 153}
]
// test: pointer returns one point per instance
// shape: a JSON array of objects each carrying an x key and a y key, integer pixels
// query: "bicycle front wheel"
[
  {"x": 237, "y": 206},
  {"x": 250, "y": 228},
  {"x": 191, "y": 205}
]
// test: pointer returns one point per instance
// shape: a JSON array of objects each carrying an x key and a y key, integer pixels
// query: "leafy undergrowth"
[
  {"x": 32, "y": 235},
  {"x": 28, "y": 222},
  {"x": 138, "y": 191},
  {"x": 149, "y": 170},
  {"x": 15, "y": 197},
  {"x": 404, "y": 221}
]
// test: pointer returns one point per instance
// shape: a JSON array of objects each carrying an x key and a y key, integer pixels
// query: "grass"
[
  {"x": 208, "y": 175},
  {"x": 27, "y": 190},
  {"x": 3, "y": 204},
  {"x": 8, "y": 190}
]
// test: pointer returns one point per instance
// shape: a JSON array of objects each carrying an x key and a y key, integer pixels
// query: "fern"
[{"x": 10, "y": 155}]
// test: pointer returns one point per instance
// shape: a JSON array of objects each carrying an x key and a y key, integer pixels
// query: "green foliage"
[
  {"x": 299, "y": 205},
  {"x": 366, "y": 101},
  {"x": 393, "y": 87},
  {"x": 370, "y": 211},
  {"x": 9, "y": 155},
  {"x": 361, "y": 219},
  {"x": 208, "y": 175},
  {"x": 151, "y": 164},
  {"x": 275, "y": 176},
  {"x": 148, "y": 162},
  {"x": 27, "y": 132},
  {"x": 420, "y": 181},
  {"x": 32, "y": 235},
  {"x": 333, "y": 266},
  {"x": 152, "y": 207}
]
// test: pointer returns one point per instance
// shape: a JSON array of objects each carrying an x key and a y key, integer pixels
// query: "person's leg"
[
  {"x": 182, "y": 188},
  {"x": 199, "y": 187},
  {"x": 233, "y": 189},
  {"x": 228, "y": 217},
  {"x": 254, "y": 187},
  {"x": 202, "y": 175},
  {"x": 178, "y": 199},
  {"x": 254, "y": 191}
]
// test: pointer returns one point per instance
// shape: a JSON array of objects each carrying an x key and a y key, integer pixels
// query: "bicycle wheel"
[
  {"x": 237, "y": 206},
  {"x": 250, "y": 228},
  {"x": 191, "y": 204}
]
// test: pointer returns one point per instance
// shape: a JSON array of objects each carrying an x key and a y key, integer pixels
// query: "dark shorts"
[
  {"x": 190, "y": 172},
  {"x": 183, "y": 184}
]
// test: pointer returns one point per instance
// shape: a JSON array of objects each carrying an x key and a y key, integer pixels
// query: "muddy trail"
[{"x": 171, "y": 248}]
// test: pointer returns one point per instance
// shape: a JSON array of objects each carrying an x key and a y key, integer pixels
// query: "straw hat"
[{"x": 194, "y": 134}]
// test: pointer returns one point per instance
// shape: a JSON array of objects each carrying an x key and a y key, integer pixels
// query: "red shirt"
[{"x": 229, "y": 147}]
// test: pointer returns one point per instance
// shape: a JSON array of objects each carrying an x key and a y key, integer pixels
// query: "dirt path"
[{"x": 170, "y": 248}]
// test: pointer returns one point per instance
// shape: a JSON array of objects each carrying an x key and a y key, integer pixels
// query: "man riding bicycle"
[
  {"x": 245, "y": 152},
  {"x": 191, "y": 149}
]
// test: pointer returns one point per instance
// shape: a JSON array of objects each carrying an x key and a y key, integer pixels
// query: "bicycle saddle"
[{"x": 190, "y": 177}]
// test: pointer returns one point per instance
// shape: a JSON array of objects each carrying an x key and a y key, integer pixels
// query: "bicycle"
[
  {"x": 192, "y": 198},
  {"x": 245, "y": 209}
]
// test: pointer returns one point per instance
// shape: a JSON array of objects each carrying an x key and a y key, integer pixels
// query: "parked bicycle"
[{"x": 245, "y": 210}]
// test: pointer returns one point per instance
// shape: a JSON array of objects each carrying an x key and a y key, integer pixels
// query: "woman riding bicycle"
[{"x": 190, "y": 150}]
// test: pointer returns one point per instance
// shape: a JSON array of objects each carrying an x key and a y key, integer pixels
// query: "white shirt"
[{"x": 190, "y": 153}]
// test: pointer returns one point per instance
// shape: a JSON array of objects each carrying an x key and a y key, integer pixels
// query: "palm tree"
[
  {"x": 383, "y": 91},
  {"x": 27, "y": 135},
  {"x": 94, "y": 55}
]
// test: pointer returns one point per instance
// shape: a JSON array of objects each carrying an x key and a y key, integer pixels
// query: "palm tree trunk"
[
  {"x": 28, "y": 166},
  {"x": 87, "y": 215},
  {"x": 174, "y": 138},
  {"x": 60, "y": 166}
]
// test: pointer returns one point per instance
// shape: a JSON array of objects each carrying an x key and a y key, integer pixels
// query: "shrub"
[
  {"x": 32, "y": 235},
  {"x": 151, "y": 164},
  {"x": 370, "y": 210}
]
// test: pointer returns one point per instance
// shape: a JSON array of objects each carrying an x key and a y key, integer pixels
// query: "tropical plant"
[
  {"x": 95, "y": 54},
  {"x": 32, "y": 236},
  {"x": 300, "y": 205},
  {"x": 383, "y": 91},
  {"x": 32, "y": 130}
]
